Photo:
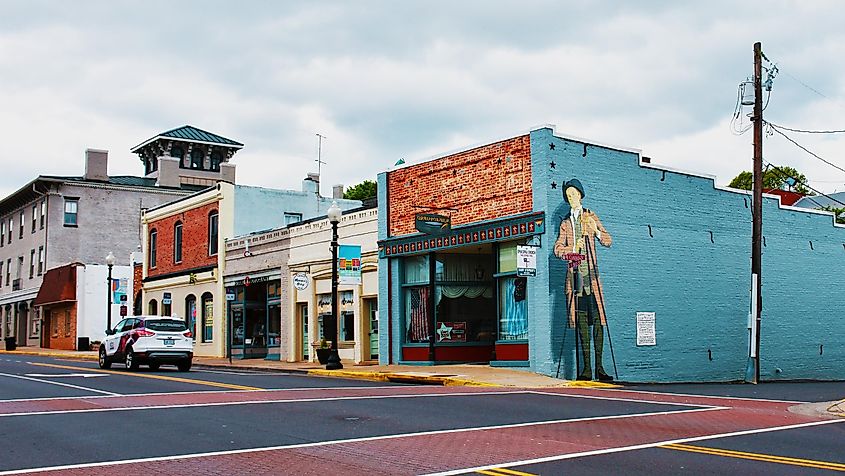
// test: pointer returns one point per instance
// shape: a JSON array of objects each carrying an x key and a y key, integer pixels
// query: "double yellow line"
[
  {"x": 207, "y": 383},
  {"x": 807, "y": 463},
  {"x": 503, "y": 472}
]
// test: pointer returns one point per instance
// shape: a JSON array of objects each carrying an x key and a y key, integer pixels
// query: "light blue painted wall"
[
  {"x": 258, "y": 208},
  {"x": 698, "y": 289}
]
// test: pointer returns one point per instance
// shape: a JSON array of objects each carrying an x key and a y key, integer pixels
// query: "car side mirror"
[{"x": 109, "y": 332}]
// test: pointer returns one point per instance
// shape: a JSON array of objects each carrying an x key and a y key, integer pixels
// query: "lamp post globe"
[
  {"x": 110, "y": 262},
  {"x": 333, "y": 363}
]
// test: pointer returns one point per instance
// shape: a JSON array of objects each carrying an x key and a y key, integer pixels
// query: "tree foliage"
[
  {"x": 838, "y": 212},
  {"x": 773, "y": 178},
  {"x": 361, "y": 191}
]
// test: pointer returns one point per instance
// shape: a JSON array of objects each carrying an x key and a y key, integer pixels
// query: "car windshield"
[{"x": 168, "y": 325}]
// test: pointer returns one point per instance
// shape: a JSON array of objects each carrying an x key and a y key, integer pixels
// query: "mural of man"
[{"x": 579, "y": 230}]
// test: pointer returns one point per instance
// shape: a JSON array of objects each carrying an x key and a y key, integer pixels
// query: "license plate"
[{"x": 169, "y": 341}]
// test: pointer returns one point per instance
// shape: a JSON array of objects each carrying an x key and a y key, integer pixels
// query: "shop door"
[
  {"x": 255, "y": 340},
  {"x": 372, "y": 305},
  {"x": 303, "y": 326}
]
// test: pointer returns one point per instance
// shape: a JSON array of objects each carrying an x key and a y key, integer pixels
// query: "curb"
[
  {"x": 444, "y": 380},
  {"x": 590, "y": 384},
  {"x": 50, "y": 354}
]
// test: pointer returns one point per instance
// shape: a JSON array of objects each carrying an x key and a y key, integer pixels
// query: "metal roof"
[{"x": 192, "y": 134}]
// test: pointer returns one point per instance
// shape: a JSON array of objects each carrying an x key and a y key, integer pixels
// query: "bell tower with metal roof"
[{"x": 188, "y": 155}]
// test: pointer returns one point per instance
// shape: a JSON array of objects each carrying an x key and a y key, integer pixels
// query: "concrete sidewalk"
[{"x": 463, "y": 374}]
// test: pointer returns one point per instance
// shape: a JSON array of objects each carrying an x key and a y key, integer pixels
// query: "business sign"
[
  {"x": 452, "y": 332},
  {"x": 118, "y": 290},
  {"x": 646, "y": 334},
  {"x": 166, "y": 299},
  {"x": 349, "y": 264},
  {"x": 300, "y": 281},
  {"x": 432, "y": 224},
  {"x": 526, "y": 260}
]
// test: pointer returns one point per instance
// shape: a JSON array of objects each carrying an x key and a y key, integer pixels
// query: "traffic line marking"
[
  {"x": 347, "y": 441},
  {"x": 504, "y": 472},
  {"x": 61, "y": 384},
  {"x": 643, "y": 446},
  {"x": 66, "y": 375},
  {"x": 155, "y": 377},
  {"x": 807, "y": 463}
]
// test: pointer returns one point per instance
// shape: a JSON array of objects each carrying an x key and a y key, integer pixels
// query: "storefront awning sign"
[
  {"x": 432, "y": 224},
  {"x": 526, "y": 260},
  {"x": 349, "y": 264}
]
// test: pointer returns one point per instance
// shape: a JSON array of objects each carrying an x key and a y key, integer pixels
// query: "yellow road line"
[
  {"x": 503, "y": 472},
  {"x": 808, "y": 463},
  {"x": 156, "y": 377}
]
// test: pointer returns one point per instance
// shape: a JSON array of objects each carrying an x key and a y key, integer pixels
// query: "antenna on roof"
[{"x": 319, "y": 160}]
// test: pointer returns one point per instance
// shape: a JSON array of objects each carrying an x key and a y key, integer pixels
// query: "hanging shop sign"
[
  {"x": 432, "y": 224},
  {"x": 300, "y": 281},
  {"x": 526, "y": 260},
  {"x": 507, "y": 229},
  {"x": 646, "y": 334},
  {"x": 349, "y": 264}
]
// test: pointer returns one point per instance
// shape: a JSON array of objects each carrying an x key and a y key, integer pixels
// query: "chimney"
[
  {"x": 168, "y": 173},
  {"x": 311, "y": 183},
  {"x": 337, "y": 191},
  {"x": 97, "y": 165}
]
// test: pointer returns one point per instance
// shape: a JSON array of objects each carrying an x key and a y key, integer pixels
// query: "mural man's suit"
[{"x": 579, "y": 230}]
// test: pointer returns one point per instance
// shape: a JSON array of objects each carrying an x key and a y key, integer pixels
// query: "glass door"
[
  {"x": 303, "y": 326},
  {"x": 372, "y": 307}
]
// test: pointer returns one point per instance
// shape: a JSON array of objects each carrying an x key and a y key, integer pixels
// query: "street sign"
[
  {"x": 123, "y": 311},
  {"x": 166, "y": 299}
]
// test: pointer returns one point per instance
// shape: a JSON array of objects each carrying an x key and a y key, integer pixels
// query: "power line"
[
  {"x": 806, "y": 131},
  {"x": 776, "y": 129}
]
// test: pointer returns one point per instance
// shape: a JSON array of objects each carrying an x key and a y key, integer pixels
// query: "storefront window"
[
  {"x": 237, "y": 326},
  {"x": 464, "y": 298},
  {"x": 207, "y": 317},
  {"x": 347, "y": 316},
  {"x": 191, "y": 314},
  {"x": 416, "y": 296},
  {"x": 513, "y": 308},
  {"x": 274, "y": 322},
  {"x": 324, "y": 313}
]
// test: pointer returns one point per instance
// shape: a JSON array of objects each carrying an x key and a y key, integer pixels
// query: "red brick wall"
[
  {"x": 484, "y": 183},
  {"x": 58, "y": 316},
  {"x": 194, "y": 241},
  {"x": 137, "y": 277}
]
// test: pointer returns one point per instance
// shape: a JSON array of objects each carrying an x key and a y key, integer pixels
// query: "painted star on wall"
[{"x": 444, "y": 332}]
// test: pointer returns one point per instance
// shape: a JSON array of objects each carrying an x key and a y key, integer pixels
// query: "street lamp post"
[
  {"x": 110, "y": 263},
  {"x": 333, "y": 363}
]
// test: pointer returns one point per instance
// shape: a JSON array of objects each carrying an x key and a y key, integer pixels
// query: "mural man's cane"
[{"x": 604, "y": 312}]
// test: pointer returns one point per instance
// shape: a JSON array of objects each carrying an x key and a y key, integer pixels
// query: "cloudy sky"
[{"x": 389, "y": 80}]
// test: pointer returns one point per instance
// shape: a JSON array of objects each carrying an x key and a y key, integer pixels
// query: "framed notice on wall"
[{"x": 646, "y": 334}]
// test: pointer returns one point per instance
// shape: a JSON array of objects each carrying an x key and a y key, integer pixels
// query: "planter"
[{"x": 323, "y": 355}]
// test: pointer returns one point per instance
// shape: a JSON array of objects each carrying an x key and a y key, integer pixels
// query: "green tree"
[
  {"x": 362, "y": 191},
  {"x": 773, "y": 178}
]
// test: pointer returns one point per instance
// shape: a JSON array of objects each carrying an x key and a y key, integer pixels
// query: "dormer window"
[{"x": 197, "y": 156}]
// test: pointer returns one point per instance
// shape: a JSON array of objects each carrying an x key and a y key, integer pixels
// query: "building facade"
[
  {"x": 57, "y": 220},
  {"x": 641, "y": 271},
  {"x": 278, "y": 287},
  {"x": 184, "y": 258}
]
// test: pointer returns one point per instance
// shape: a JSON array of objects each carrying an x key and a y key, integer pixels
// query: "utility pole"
[{"x": 757, "y": 214}]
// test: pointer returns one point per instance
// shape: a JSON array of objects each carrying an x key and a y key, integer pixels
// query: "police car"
[{"x": 150, "y": 340}]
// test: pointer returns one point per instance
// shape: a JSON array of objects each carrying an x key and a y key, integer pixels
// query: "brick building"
[{"x": 641, "y": 272}]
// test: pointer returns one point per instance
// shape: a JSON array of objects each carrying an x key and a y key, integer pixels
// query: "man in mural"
[{"x": 579, "y": 230}]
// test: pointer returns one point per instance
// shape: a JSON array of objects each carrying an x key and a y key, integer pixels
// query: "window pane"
[
  {"x": 212, "y": 234},
  {"x": 416, "y": 269},
  {"x": 177, "y": 243},
  {"x": 153, "y": 248},
  {"x": 507, "y": 257},
  {"x": 208, "y": 319},
  {"x": 513, "y": 319},
  {"x": 417, "y": 323},
  {"x": 463, "y": 267},
  {"x": 165, "y": 325}
]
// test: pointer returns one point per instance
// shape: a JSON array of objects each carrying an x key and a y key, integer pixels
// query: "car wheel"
[
  {"x": 155, "y": 366},
  {"x": 184, "y": 366},
  {"x": 131, "y": 362},
  {"x": 104, "y": 361}
]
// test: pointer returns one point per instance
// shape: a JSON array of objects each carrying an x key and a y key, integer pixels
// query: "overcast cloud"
[{"x": 389, "y": 80}]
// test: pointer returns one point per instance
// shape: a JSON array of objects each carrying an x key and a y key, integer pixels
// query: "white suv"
[{"x": 151, "y": 340}]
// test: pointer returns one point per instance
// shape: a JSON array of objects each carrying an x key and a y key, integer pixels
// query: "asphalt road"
[{"x": 69, "y": 415}]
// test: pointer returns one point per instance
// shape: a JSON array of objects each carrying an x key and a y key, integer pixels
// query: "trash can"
[
  {"x": 10, "y": 343},
  {"x": 83, "y": 343}
]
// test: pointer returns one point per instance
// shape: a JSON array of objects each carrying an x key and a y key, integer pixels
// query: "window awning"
[{"x": 59, "y": 285}]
